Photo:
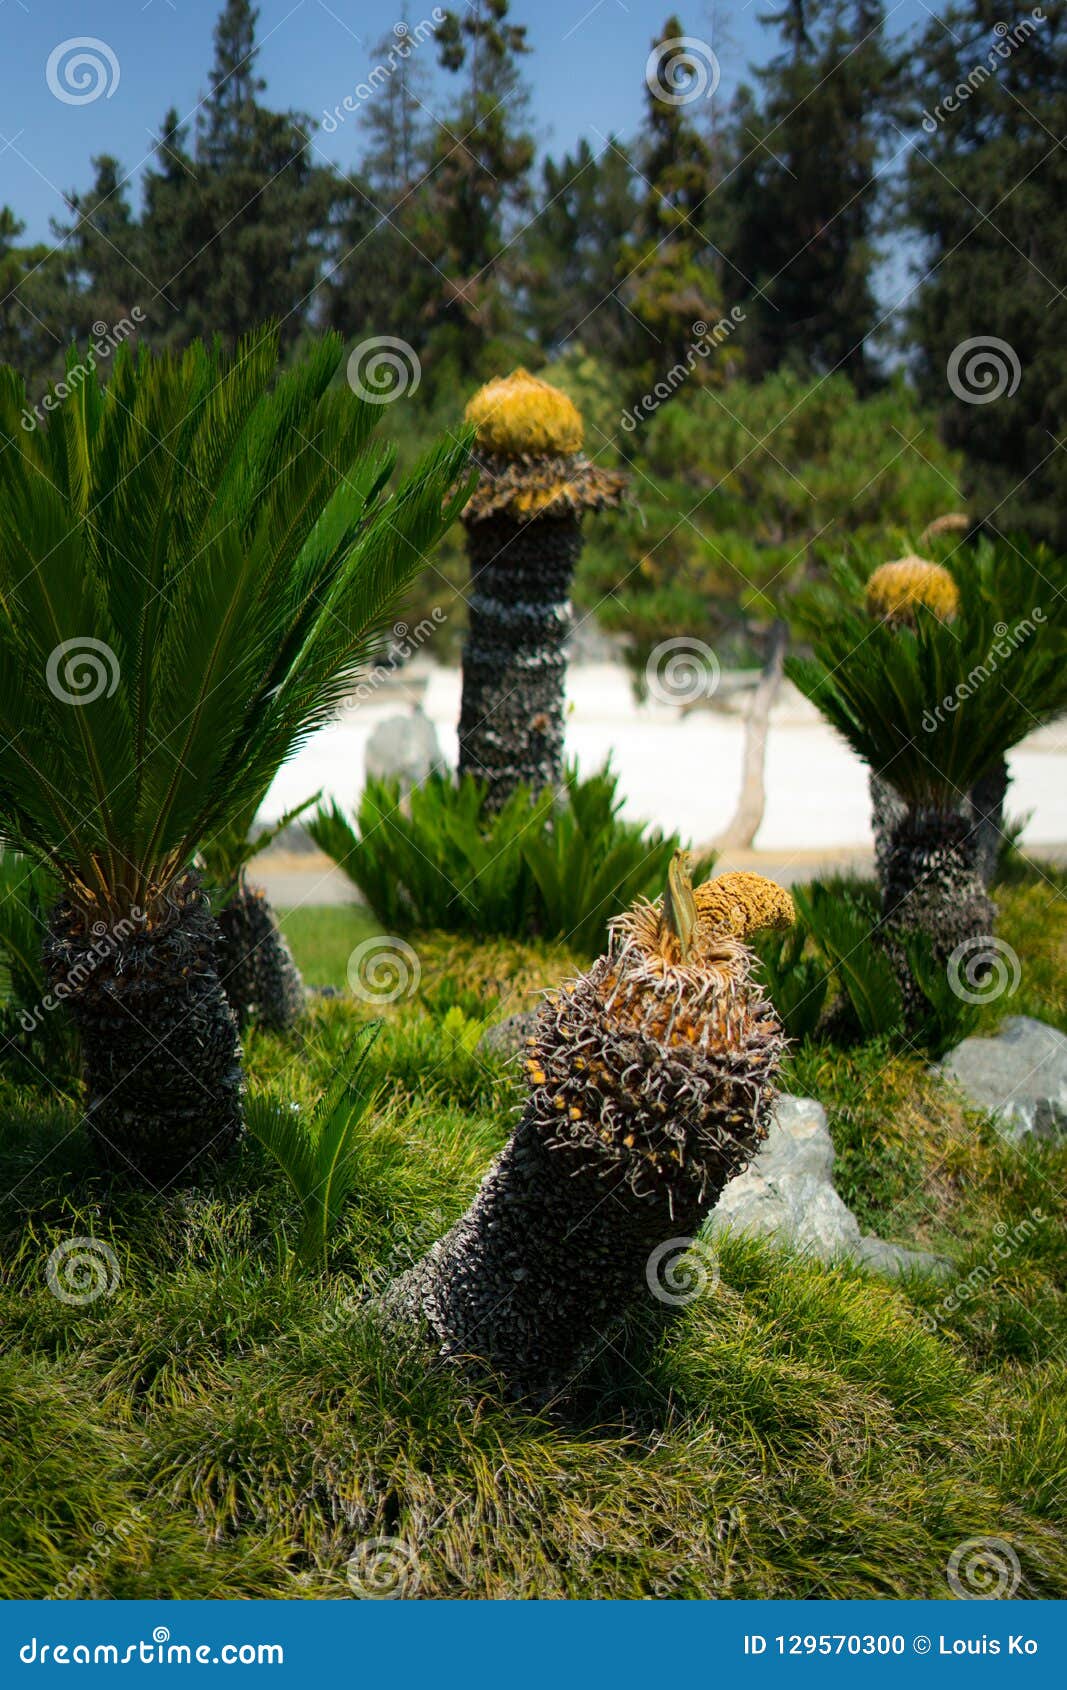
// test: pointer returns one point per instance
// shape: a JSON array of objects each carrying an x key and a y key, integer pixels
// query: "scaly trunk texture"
[
  {"x": 514, "y": 667},
  {"x": 651, "y": 1087},
  {"x": 256, "y": 967},
  {"x": 932, "y": 887},
  {"x": 983, "y": 811},
  {"x": 159, "y": 1040}
]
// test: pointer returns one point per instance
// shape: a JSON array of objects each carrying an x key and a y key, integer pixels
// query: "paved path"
[{"x": 683, "y": 772}]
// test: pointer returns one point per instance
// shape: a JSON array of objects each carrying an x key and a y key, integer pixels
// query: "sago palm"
[
  {"x": 194, "y": 562},
  {"x": 651, "y": 1082},
  {"x": 930, "y": 706}
]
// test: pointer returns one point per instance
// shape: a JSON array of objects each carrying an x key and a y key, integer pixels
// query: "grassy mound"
[{"x": 221, "y": 1423}]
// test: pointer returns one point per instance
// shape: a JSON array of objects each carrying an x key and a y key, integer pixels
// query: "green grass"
[{"x": 224, "y": 1424}]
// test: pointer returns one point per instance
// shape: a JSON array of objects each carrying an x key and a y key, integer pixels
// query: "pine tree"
[
  {"x": 480, "y": 162},
  {"x": 37, "y": 304},
  {"x": 235, "y": 233},
  {"x": 985, "y": 189},
  {"x": 103, "y": 248},
  {"x": 803, "y": 189},
  {"x": 571, "y": 252},
  {"x": 670, "y": 269},
  {"x": 380, "y": 282}
]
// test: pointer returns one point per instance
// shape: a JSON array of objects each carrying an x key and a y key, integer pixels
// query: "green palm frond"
[
  {"x": 319, "y": 1156},
  {"x": 931, "y": 707},
  {"x": 195, "y": 563}
]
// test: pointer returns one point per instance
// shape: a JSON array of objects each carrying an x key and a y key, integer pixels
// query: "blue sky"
[{"x": 586, "y": 71}]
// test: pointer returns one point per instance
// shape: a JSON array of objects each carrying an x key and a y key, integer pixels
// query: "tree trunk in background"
[
  {"x": 256, "y": 967},
  {"x": 740, "y": 833},
  {"x": 514, "y": 666},
  {"x": 159, "y": 1040}
]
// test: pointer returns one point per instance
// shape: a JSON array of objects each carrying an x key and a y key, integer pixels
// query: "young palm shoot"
[
  {"x": 650, "y": 1085},
  {"x": 194, "y": 564},
  {"x": 318, "y": 1156}
]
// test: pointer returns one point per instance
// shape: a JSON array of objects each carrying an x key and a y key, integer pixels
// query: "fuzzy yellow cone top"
[
  {"x": 528, "y": 446},
  {"x": 660, "y": 1058},
  {"x": 896, "y": 588},
  {"x": 521, "y": 416}
]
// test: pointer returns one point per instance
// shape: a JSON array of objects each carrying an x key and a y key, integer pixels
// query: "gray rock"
[
  {"x": 1019, "y": 1076},
  {"x": 787, "y": 1194},
  {"x": 404, "y": 748},
  {"x": 509, "y": 1037}
]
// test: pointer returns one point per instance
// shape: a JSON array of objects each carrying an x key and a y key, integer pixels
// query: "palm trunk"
[
  {"x": 514, "y": 666},
  {"x": 740, "y": 833},
  {"x": 536, "y": 1275},
  {"x": 651, "y": 1085},
  {"x": 932, "y": 888},
  {"x": 983, "y": 811},
  {"x": 256, "y": 966},
  {"x": 159, "y": 1040}
]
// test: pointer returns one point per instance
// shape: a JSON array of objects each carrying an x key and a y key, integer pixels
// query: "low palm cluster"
[
  {"x": 195, "y": 562},
  {"x": 931, "y": 704},
  {"x": 554, "y": 865}
]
